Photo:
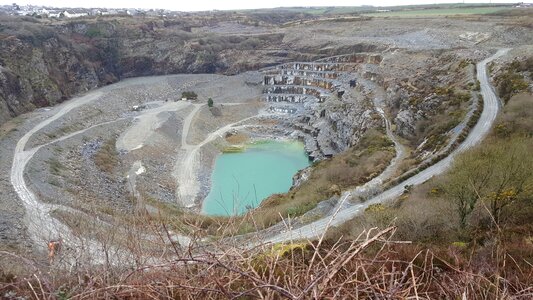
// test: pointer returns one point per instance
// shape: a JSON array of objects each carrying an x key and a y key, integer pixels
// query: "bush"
[
  {"x": 55, "y": 166},
  {"x": 189, "y": 95},
  {"x": 510, "y": 84},
  {"x": 516, "y": 119}
]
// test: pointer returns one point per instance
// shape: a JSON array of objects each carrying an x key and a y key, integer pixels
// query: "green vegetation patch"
[
  {"x": 55, "y": 166},
  {"x": 94, "y": 32},
  {"x": 233, "y": 149},
  {"x": 450, "y": 113}
]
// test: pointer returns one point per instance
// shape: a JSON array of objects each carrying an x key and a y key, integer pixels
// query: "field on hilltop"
[{"x": 439, "y": 12}]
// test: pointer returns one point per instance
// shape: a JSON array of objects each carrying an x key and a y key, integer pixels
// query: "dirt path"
[
  {"x": 188, "y": 162},
  {"x": 42, "y": 227},
  {"x": 147, "y": 123},
  {"x": 187, "y": 126},
  {"x": 373, "y": 186}
]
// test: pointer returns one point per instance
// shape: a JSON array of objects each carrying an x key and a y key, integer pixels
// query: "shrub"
[
  {"x": 189, "y": 95},
  {"x": 510, "y": 84}
]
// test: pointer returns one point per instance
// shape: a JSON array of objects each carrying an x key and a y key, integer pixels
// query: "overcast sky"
[{"x": 195, "y": 5}]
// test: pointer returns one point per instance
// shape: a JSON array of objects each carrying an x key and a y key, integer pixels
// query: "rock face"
[
  {"x": 426, "y": 92},
  {"x": 335, "y": 128},
  {"x": 45, "y": 61},
  {"x": 45, "y": 68},
  {"x": 43, "y": 64},
  {"x": 405, "y": 120}
]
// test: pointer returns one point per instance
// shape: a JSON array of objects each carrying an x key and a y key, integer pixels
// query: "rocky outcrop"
[
  {"x": 44, "y": 69},
  {"x": 336, "y": 127},
  {"x": 426, "y": 90}
]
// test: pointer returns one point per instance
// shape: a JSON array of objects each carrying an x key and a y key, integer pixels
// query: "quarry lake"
[{"x": 242, "y": 180}]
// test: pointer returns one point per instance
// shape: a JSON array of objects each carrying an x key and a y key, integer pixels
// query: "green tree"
[{"x": 210, "y": 102}]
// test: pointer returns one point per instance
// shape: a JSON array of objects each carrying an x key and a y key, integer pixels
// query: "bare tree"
[{"x": 498, "y": 174}]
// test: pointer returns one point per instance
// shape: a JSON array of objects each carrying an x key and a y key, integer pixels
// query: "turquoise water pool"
[{"x": 240, "y": 181}]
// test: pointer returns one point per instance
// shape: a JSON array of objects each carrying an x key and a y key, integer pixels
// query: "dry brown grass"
[
  {"x": 237, "y": 139},
  {"x": 106, "y": 158},
  {"x": 517, "y": 118},
  {"x": 373, "y": 265}
]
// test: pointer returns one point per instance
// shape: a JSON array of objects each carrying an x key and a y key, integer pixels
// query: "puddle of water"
[{"x": 242, "y": 180}]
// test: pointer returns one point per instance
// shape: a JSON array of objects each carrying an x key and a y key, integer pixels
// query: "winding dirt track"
[
  {"x": 42, "y": 227},
  {"x": 184, "y": 171},
  {"x": 478, "y": 133}
]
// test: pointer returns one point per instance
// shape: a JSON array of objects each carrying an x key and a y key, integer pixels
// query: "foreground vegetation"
[
  {"x": 512, "y": 80},
  {"x": 372, "y": 266}
]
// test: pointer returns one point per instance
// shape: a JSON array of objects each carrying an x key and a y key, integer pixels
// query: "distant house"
[
  {"x": 44, "y": 12},
  {"x": 72, "y": 14},
  {"x": 524, "y": 5},
  {"x": 54, "y": 13}
]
